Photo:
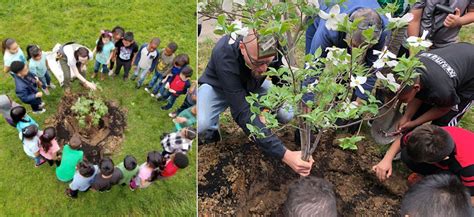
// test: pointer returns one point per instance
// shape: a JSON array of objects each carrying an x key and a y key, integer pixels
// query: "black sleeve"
[{"x": 227, "y": 71}]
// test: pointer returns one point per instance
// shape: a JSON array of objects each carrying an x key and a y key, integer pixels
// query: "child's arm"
[
  {"x": 383, "y": 169},
  {"x": 414, "y": 25},
  {"x": 455, "y": 20},
  {"x": 110, "y": 57},
  {"x": 153, "y": 64},
  {"x": 93, "y": 52}
]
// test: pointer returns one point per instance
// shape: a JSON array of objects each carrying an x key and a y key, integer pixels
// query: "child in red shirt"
[
  {"x": 175, "y": 85},
  {"x": 177, "y": 161}
]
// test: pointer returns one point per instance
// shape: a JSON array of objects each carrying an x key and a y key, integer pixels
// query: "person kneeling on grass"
[
  {"x": 437, "y": 195},
  {"x": 175, "y": 85},
  {"x": 107, "y": 177},
  {"x": 26, "y": 87},
  {"x": 71, "y": 156},
  {"x": 310, "y": 196},
  {"x": 431, "y": 149},
  {"x": 83, "y": 178},
  {"x": 180, "y": 141},
  {"x": 129, "y": 170},
  {"x": 30, "y": 139},
  {"x": 148, "y": 171}
]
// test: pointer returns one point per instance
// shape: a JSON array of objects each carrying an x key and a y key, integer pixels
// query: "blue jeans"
[
  {"x": 97, "y": 66},
  {"x": 310, "y": 33},
  {"x": 213, "y": 102},
  {"x": 45, "y": 80},
  {"x": 143, "y": 73},
  {"x": 157, "y": 77},
  {"x": 166, "y": 95}
]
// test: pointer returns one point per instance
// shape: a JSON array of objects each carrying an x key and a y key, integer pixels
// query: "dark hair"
[
  {"x": 32, "y": 51},
  {"x": 86, "y": 169},
  {"x": 181, "y": 160},
  {"x": 6, "y": 43},
  {"x": 17, "y": 66},
  {"x": 130, "y": 163},
  {"x": 30, "y": 131},
  {"x": 100, "y": 44},
  {"x": 75, "y": 142},
  {"x": 310, "y": 196},
  {"x": 181, "y": 59},
  {"x": 190, "y": 133},
  {"x": 172, "y": 46},
  {"x": 429, "y": 143},
  {"x": 437, "y": 195},
  {"x": 187, "y": 71},
  {"x": 128, "y": 36},
  {"x": 119, "y": 30},
  {"x": 45, "y": 140},
  {"x": 18, "y": 114},
  {"x": 155, "y": 41},
  {"x": 156, "y": 161},
  {"x": 80, "y": 52},
  {"x": 106, "y": 166}
]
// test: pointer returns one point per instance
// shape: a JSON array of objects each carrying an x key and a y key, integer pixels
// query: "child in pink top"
[
  {"x": 49, "y": 147},
  {"x": 148, "y": 171}
]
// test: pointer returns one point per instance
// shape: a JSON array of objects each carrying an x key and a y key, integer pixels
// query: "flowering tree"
[{"x": 337, "y": 74}]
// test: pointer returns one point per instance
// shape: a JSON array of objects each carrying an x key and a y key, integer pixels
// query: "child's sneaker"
[
  {"x": 42, "y": 105},
  {"x": 42, "y": 161},
  {"x": 146, "y": 89},
  {"x": 172, "y": 114},
  {"x": 68, "y": 193},
  {"x": 39, "y": 112},
  {"x": 164, "y": 108},
  {"x": 132, "y": 185},
  {"x": 152, "y": 95},
  {"x": 52, "y": 86},
  {"x": 46, "y": 91}
]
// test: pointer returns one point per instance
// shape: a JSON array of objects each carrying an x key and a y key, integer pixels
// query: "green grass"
[{"x": 25, "y": 190}]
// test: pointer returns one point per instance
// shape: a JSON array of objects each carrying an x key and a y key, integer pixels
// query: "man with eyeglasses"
[{"x": 233, "y": 72}]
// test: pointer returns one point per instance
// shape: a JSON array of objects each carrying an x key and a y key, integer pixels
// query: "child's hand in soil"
[
  {"x": 293, "y": 159},
  {"x": 383, "y": 170}
]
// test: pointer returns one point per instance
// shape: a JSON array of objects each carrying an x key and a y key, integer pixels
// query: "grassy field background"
[{"x": 25, "y": 190}]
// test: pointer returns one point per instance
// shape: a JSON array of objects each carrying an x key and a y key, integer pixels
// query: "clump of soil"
[
  {"x": 98, "y": 141},
  {"x": 237, "y": 179}
]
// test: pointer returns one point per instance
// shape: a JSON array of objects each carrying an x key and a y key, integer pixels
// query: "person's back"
[
  {"x": 70, "y": 158},
  {"x": 107, "y": 177}
]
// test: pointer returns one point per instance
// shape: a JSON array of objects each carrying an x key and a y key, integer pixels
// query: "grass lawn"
[{"x": 25, "y": 190}]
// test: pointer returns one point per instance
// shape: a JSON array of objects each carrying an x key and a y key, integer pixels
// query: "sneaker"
[
  {"x": 152, "y": 95},
  {"x": 414, "y": 178},
  {"x": 172, "y": 114},
  {"x": 39, "y": 112},
  {"x": 46, "y": 91},
  {"x": 42, "y": 104},
  {"x": 52, "y": 86},
  {"x": 146, "y": 89},
  {"x": 211, "y": 136},
  {"x": 42, "y": 161},
  {"x": 164, "y": 108}
]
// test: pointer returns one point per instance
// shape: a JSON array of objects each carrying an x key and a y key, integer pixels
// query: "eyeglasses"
[{"x": 255, "y": 62}]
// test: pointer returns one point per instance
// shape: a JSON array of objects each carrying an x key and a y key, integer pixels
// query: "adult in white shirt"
[{"x": 73, "y": 59}]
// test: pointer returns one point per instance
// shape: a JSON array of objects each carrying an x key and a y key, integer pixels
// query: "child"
[
  {"x": 178, "y": 63},
  {"x": 6, "y": 105},
  {"x": 175, "y": 86},
  {"x": 117, "y": 34},
  {"x": 103, "y": 50},
  {"x": 165, "y": 61},
  {"x": 148, "y": 171},
  {"x": 71, "y": 156},
  {"x": 26, "y": 87},
  {"x": 178, "y": 141},
  {"x": 186, "y": 118},
  {"x": 107, "y": 176},
  {"x": 146, "y": 60},
  {"x": 20, "y": 119},
  {"x": 189, "y": 101},
  {"x": 39, "y": 67},
  {"x": 83, "y": 178},
  {"x": 125, "y": 50},
  {"x": 11, "y": 52},
  {"x": 129, "y": 169},
  {"x": 49, "y": 146},
  {"x": 30, "y": 139},
  {"x": 177, "y": 161}
]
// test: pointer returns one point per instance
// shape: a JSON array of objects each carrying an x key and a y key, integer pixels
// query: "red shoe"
[{"x": 414, "y": 178}]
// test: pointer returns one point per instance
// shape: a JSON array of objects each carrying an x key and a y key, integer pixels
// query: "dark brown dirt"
[
  {"x": 237, "y": 179},
  {"x": 99, "y": 141}
]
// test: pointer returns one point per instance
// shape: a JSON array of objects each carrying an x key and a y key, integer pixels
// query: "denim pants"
[
  {"x": 142, "y": 73},
  {"x": 157, "y": 77},
  {"x": 98, "y": 65},
  {"x": 45, "y": 80},
  {"x": 213, "y": 102},
  {"x": 166, "y": 95}
]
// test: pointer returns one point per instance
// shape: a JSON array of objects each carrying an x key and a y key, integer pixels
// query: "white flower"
[
  {"x": 314, "y": 3},
  {"x": 400, "y": 21},
  {"x": 390, "y": 79},
  {"x": 385, "y": 58},
  {"x": 357, "y": 82},
  {"x": 240, "y": 30},
  {"x": 419, "y": 41},
  {"x": 335, "y": 54},
  {"x": 349, "y": 106},
  {"x": 333, "y": 18},
  {"x": 312, "y": 85},
  {"x": 201, "y": 6}
]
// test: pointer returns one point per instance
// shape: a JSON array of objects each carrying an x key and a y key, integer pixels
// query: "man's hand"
[
  {"x": 383, "y": 170},
  {"x": 39, "y": 95},
  {"x": 293, "y": 159},
  {"x": 403, "y": 121},
  {"x": 453, "y": 20},
  {"x": 407, "y": 126}
]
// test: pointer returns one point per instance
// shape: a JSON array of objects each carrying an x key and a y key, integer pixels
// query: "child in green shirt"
[
  {"x": 70, "y": 158},
  {"x": 129, "y": 169}
]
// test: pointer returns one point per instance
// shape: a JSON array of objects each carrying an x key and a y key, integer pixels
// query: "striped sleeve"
[{"x": 467, "y": 178}]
